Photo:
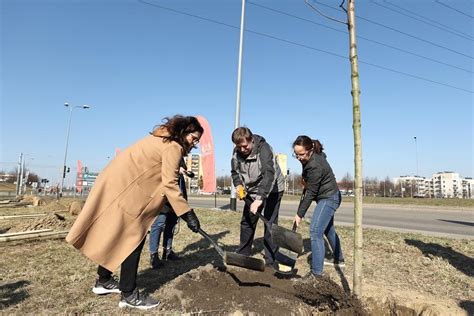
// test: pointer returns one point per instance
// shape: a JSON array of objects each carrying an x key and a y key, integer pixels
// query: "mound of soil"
[
  {"x": 54, "y": 205},
  {"x": 219, "y": 290},
  {"x": 76, "y": 207},
  {"x": 51, "y": 221}
]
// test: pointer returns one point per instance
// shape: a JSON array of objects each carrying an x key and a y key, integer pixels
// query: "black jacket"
[{"x": 320, "y": 182}]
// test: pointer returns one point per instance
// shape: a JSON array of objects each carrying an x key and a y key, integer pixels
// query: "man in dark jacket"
[{"x": 258, "y": 179}]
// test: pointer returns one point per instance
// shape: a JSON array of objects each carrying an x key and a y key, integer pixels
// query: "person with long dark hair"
[
  {"x": 319, "y": 185},
  {"x": 125, "y": 200}
]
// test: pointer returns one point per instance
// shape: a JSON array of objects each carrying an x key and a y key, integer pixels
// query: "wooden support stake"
[
  {"x": 22, "y": 216},
  {"x": 45, "y": 235},
  {"x": 26, "y": 232}
]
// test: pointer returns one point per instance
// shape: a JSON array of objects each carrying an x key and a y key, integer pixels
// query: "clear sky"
[{"x": 135, "y": 63}]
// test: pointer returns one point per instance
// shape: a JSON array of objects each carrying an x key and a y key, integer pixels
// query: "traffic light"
[{"x": 68, "y": 169}]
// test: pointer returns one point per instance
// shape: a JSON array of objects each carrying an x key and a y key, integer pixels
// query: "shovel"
[
  {"x": 235, "y": 259},
  {"x": 282, "y": 237},
  {"x": 286, "y": 259}
]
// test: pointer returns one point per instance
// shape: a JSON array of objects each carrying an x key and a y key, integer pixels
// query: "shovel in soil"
[
  {"x": 286, "y": 259},
  {"x": 282, "y": 237},
  {"x": 235, "y": 259}
]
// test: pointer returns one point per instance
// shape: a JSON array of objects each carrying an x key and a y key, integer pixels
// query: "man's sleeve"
[
  {"x": 268, "y": 171},
  {"x": 234, "y": 166}
]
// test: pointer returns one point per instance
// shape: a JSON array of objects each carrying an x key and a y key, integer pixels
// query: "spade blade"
[
  {"x": 288, "y": 239},
  {"x": 235, "y": 259}
]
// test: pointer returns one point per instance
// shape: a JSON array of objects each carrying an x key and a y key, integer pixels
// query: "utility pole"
[
  {"x": 417, "y": 172},
  {"x": 18, "y": 174},
  {"x": 233, "y": 199}
]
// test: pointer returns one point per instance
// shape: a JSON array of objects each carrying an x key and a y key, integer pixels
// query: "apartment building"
[
  {"x": 413, "y": 186},
  {"x": 446, "y": 184},
  {"x": 194, "y": 164}
]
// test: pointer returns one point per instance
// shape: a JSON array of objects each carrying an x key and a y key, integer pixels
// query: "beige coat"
[{"x": 125, "y": 199}]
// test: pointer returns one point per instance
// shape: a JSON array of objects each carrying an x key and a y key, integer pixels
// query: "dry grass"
[{"x": 52, "y": 277}]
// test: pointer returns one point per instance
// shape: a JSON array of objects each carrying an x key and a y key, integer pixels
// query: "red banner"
[{"x": 207, "y": 157}]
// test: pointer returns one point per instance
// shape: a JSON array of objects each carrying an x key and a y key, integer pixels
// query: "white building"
[
  {"x": 467, "y": 188},
  {"x": 413, "y": 186},
  {"x": 194, "y": 164},
  {"x": 446, "y": 184}
]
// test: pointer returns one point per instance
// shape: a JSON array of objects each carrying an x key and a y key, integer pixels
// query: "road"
[{"x": 454, "y": 223}]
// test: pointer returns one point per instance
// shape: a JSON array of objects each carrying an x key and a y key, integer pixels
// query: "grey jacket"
[
  {"x": 320, "y": 182},
  {"x": 259, "y": 172}
]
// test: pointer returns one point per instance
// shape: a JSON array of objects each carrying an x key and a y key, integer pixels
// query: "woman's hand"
[{"x": 297, "y": 220}]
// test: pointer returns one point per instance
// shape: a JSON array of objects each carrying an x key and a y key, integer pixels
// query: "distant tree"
[
  {"x": 347, "y": 182},
  {"x": 200, "y": 183},
  {"x": 385, "y": 187},
  {"x": 32, "y": 177},
  {"x": 223, "y": 181},
  {"x": 10, "y": 177}
]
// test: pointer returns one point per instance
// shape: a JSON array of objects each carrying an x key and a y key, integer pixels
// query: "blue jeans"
[
  {"x": 163, "y": 223},
  {"x": 322, "y": 222}
]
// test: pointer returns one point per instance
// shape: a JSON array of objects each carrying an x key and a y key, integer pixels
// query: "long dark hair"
[
  {"x": 178, "y": 127},
  {"x": 308, "y": 144}
]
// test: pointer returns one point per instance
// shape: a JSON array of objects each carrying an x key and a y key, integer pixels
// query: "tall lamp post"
[
  {"x": 233, "y": 195},
  {"x": 416, "y": 157},
  {"x": 60, "y": 193}
]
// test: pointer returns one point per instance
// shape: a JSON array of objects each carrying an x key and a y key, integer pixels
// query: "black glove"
[{"x": 191, "y": 219}]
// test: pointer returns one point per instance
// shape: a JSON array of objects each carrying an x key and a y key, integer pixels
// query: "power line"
[
  {"x": 403, "y": 33},
  {"x": 454, "y": 9},
  {"x": 305, "y": 46},
  {"x": 420, "y": 20},
  {"x": 431, "y": 20},
  {"x": 361, "y": 37}
]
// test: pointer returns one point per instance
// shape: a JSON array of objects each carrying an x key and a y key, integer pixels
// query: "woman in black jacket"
[{"x": 320, "y": 186}]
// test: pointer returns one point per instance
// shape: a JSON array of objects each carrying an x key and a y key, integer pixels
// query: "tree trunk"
[{"x": 356, "y": 126}]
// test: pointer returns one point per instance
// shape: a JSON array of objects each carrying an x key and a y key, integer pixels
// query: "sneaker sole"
[
  {"x": 125, "y": 304},
  {"x": 103, "y": 291}
]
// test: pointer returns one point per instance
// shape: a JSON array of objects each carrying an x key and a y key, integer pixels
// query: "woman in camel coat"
[{"x": 125, "y": 200}]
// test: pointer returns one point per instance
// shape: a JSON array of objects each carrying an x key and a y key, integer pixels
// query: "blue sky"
[{"x": 135, "y": 63}]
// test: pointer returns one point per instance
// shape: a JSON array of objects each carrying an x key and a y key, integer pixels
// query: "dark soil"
[{"x": 225, "y": 290}]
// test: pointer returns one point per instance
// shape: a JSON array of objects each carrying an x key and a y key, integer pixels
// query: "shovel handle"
[
  {"x": 214, "y": 244},
  {"x": 248, "y": 200},
  {"x": 295, "y": 227}
]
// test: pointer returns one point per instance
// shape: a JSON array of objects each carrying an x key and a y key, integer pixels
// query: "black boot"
[
  {"x": 155, "y": 261},
  {"x": 168, "y": 254}
]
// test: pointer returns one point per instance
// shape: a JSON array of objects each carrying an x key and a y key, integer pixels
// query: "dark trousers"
[
  {"x": 128, "y": 271},
  {"x": 248, "y": 224}
]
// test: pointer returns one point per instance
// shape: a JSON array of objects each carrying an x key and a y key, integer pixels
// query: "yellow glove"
[{"x": 241, "y": 192}]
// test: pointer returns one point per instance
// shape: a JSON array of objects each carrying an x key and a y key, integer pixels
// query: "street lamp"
[
  {"x": 60, "y": 193},
  {"x": 233, "y": 195},
  {"x": 223, "y": 172},
  {"x": 416, "y": 156}
]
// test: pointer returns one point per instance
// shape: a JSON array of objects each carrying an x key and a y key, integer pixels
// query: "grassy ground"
[{"x": 51, "y": 277}]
